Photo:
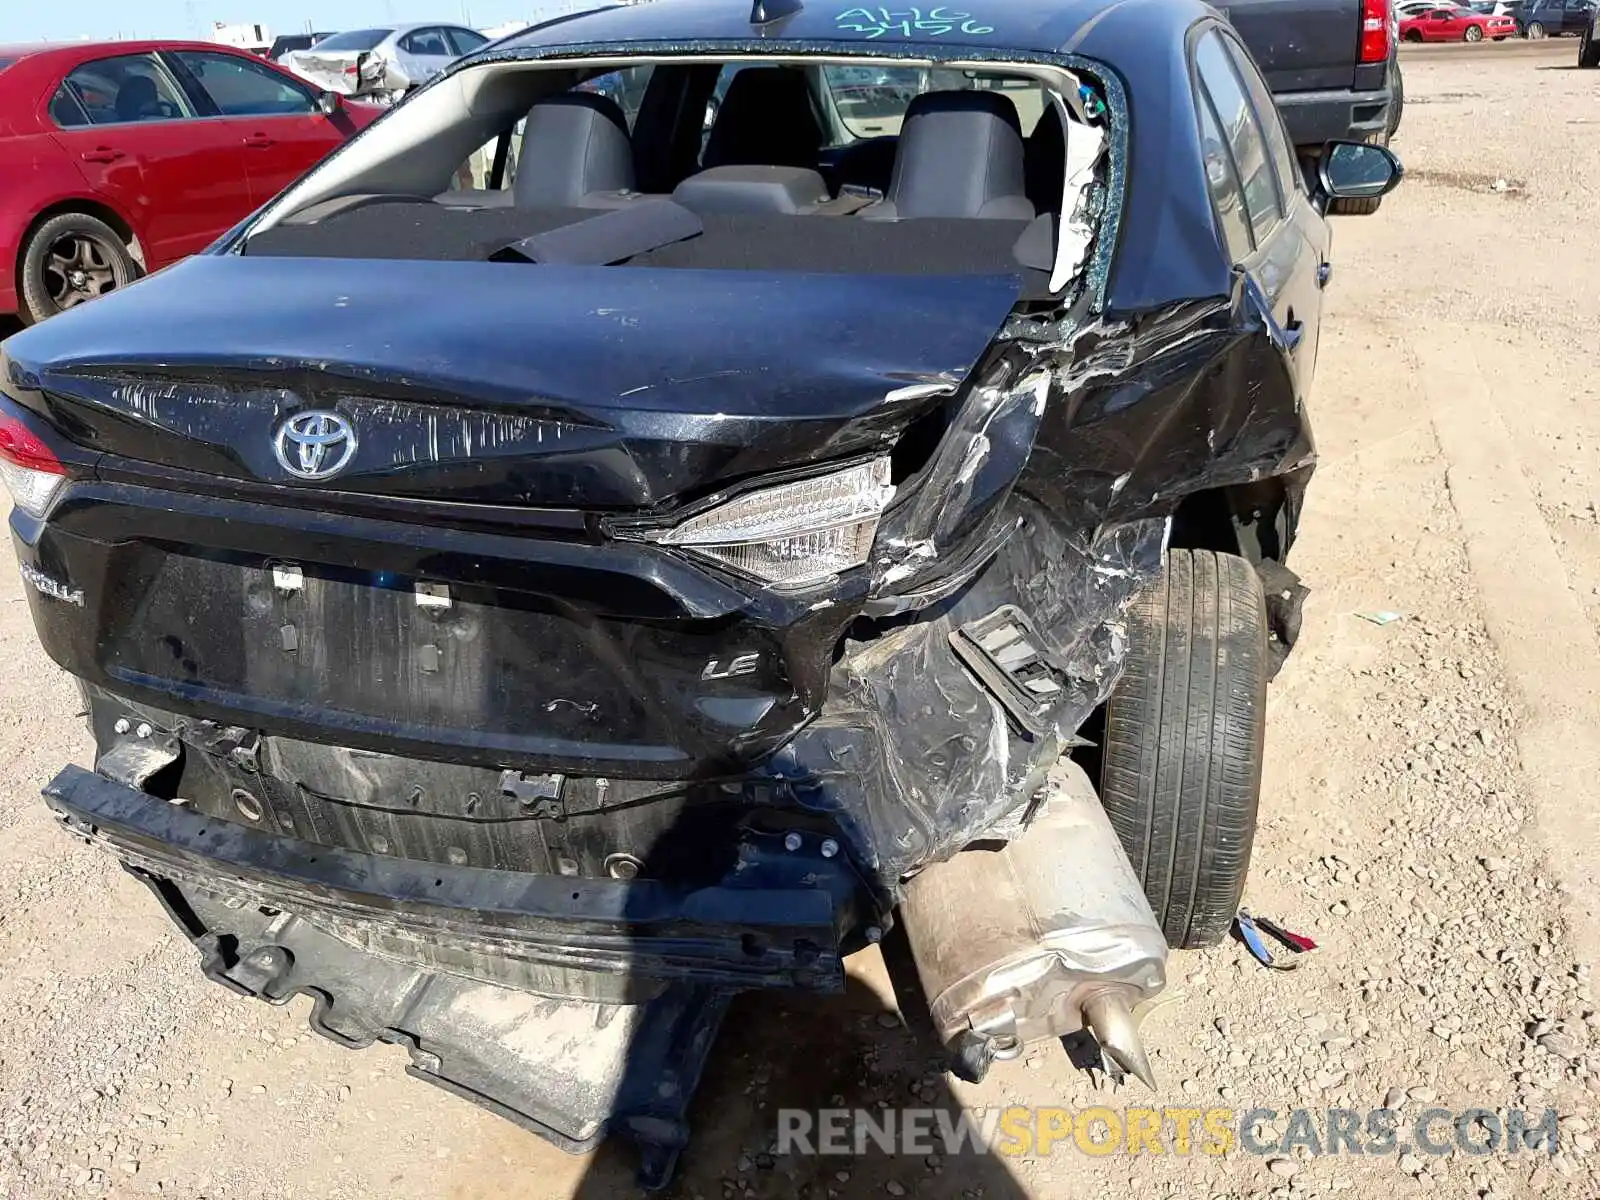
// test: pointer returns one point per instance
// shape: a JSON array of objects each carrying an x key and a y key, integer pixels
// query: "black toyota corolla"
[{"x": 522, "y": 615}]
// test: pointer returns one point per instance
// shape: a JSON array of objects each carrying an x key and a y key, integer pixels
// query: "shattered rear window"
[{"x": 825, "y": 166}]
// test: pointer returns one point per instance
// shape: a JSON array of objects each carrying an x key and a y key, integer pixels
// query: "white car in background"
[{"x": 385, "y": 63}]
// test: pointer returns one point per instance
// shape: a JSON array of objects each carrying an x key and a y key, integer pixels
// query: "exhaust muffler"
[{"x": 1047, "y": 936}]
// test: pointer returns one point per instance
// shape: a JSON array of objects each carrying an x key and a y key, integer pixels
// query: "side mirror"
[
  {"x": 330, "y": 103},
  {"x": 1358, "y": 171}
]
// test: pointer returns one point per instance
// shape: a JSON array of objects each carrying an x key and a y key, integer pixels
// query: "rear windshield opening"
[
  {"x": 823, "y": 166},
  {"x": 357, "y": 39}
]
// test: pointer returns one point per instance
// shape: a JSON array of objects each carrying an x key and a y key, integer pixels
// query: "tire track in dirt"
[{"x": 1534, "y": 617}]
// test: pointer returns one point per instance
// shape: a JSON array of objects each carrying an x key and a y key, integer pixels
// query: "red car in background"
[
  {"x": 121, "y": 157},
  {"x": 1448, "y": 24}
]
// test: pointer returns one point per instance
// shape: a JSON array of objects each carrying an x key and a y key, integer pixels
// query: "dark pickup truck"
[{"x": 1331, "y": 66}]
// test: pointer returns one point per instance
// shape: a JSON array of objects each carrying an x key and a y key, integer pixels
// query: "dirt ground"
[{"x": 1429, "y": 810}]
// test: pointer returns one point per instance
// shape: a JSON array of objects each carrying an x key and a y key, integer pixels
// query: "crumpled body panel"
[
  {"x": 913, "y": 752},
  {"x": 916, "y": 756}
]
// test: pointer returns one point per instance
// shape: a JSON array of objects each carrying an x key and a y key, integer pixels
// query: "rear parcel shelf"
[{"x": 610, "y": 237}]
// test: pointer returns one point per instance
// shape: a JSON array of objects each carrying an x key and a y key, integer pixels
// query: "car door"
[
  {"x": 424, "y": 53},
  {"x": 141, "y": 146},
  {"x": 1447, "y": 24},
  {"x": 1274, "y": 234},
  {"x": 1578, "y": 15},
  {"x": 273, "y": 116}
]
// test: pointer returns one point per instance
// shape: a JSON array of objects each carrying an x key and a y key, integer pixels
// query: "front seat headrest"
[
  {"x": 573, "y": 145},
  {"x": 960, "y": 155},
  {"x": 767, "y": 119}
]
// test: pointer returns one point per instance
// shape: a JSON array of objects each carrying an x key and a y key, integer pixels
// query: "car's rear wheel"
[
  {"x": 1413, "y": 35},
  {"x": 70, "y": 259},
  {"x": 1181, "y": 770},
  {"x": 1589, "y": 50},
  {"x": 1535, "y": 31},
  {"x": 1473, "y": 34},
  {"x": 1397, "y": 100}
]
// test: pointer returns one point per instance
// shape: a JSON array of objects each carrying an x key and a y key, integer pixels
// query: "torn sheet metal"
[
  {"x": 912, "y": 753},
  {"x": 1074, "y": 499}
]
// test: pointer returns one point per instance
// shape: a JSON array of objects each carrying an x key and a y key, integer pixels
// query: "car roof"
[
  {"x": 1040, "y": 26},
  {"x": 410, "y": 25},
  {"x": 82, "y": 50}
]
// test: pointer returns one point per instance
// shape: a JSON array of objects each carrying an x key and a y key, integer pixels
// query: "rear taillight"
[
  {"x": 793, "y": 534},
  {"x": 30, "y": 470},
  {"x": 1374, "y": 31}
]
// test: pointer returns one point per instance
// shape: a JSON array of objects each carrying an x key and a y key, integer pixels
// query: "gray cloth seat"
[
  {"x": 960, "y": 155},
  {"x": 575, "y": 153}
]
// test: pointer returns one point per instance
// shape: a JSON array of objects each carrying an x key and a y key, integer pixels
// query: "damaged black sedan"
[{"x": 522, "y": 615}]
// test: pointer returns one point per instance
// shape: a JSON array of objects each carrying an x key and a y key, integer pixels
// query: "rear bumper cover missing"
[
  {"x": 398, "y": 951},
  {"x": 599, "y": 939}
]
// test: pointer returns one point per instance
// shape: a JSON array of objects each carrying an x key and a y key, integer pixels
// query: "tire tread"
[{"x": 1184, "y": 738}]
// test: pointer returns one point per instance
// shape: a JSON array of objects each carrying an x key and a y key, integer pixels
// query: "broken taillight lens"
[
  {"x": 30, "y": 469},
  {"x": 794, "y": 534}
]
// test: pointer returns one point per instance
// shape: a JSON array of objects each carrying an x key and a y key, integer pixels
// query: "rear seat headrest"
[
  {"x": 960, "y": 155},
  {"x": 573, "y": 145},
  {"x": 767, "y": 119}
]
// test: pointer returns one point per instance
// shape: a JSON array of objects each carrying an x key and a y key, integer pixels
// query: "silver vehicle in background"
[{"x": 382, "y": 64}]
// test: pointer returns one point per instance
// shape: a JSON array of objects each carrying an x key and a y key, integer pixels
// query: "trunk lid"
[
  {"x": 214, "y": 584},
  {"x": 607, "y": 388},
  {"x": 332, "y": 70}
]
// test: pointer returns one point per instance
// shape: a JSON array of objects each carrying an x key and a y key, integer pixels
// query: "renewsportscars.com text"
[{"x": 1099, "y": 1131}]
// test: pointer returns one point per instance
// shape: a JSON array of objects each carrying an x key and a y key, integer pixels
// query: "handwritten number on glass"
[{"x": 929, "y": 22}]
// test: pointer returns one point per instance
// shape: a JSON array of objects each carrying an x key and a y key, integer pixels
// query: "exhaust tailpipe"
[{"x": 1047, "y": 936}]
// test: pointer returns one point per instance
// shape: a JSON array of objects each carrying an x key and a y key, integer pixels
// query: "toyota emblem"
[{"x": 315, "y": 445}]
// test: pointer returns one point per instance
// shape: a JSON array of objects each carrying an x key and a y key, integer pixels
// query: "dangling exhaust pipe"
[{"x": 1047, "y": 936}]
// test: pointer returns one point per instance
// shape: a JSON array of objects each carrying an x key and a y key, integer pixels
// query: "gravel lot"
[{"x": 1429, "y": 810}]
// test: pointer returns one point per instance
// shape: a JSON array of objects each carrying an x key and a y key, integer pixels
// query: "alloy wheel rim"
[{"x": 78, "y": 267}]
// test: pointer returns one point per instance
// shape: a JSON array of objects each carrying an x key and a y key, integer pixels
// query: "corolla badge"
[
  {"x": 49, "y": 586},
  {"x": 314, "y": 445}
]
